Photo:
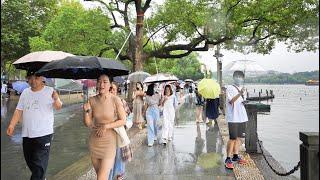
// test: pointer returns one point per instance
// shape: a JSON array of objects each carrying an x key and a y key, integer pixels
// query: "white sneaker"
[
  {"x": 170, "y": 139},
  {"x": 207, "y": 120},
  {"x": 150, "y": 145}
]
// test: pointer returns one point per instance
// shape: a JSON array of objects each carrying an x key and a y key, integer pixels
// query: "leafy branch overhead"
[
  {"x": 176, "y": 28},
  {"x": 250, "y": 26}
]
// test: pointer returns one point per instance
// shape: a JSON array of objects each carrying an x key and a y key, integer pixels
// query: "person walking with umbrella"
[
  {"x": 169, "y": 105},
  {"x": 103, "y": 112},
  {"x": 36, "y": 106},
  {"x": 152, "y": 113},
  {"x": 236, "y": 117}
]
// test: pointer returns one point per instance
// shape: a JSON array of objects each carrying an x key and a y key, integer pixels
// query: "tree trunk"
[{"x": 138, "y": 61}]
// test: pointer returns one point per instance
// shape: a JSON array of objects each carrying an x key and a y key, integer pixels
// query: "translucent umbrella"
[
  {"x": 161, "y": 77},
  {"x": 209, "y": 88},
  {"x": 245, "y": 66},
  {"x": 188, "y": 80},
  {"x": 138, "y": 76}
]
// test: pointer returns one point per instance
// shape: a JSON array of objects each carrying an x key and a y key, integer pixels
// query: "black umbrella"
[{"x": 82, "y": 67}]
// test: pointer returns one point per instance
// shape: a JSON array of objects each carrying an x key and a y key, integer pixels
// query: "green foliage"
[
  {"x": 184, "y": 68},
  {"x": 244, "y": 26},
  {"x": 77, "y": 31},
  {"x": 20, "y": 20},
  {"x": 256, "y": 26}
]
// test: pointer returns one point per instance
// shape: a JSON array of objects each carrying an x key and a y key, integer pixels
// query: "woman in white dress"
[{"x": 169, "y": 104}]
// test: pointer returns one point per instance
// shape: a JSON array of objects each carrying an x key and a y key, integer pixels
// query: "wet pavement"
[
  {"x": 69, "y": 142},
  {"x": 196, "y": 152}
]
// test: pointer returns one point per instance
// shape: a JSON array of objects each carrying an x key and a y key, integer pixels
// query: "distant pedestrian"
[
  {"x": 4, "y": 88},
  {"x": 137, "y": 96},
  {"x": 169, "y": 104},
  {"x": 35, "y": 107},
  {"x": 199, "y": 106},
  {"x": 236, "y": 117},
  {"x": 152, "y": 114}
]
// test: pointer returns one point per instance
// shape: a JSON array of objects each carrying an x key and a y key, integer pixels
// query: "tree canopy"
[
  {"x": 75, "y": 30},
  {"x": 21, "y": 19},
  {"x": 184, "y": 68},
  {"x": 175, "y": 28}
]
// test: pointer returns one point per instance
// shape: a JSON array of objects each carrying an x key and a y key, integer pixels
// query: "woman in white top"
[{"x": 168, "y": 103}]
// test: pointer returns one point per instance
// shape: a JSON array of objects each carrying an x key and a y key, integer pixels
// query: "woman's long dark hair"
[{"x": 150, "y": 90}]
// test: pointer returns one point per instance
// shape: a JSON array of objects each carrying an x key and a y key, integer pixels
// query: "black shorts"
[{"x": 237, "y": 130}]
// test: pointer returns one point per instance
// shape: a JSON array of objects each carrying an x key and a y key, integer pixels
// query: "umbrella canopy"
[
  {"x": 138, "y": 76},
  {"x": 161, "y": 77},
  {"x": 188, "y": 80},
  {"x": 209, "y": 88},
  {"x": 119, "y": 79},
  {"x": 67, "y": 85},
  {"x": 82, "y": 67},
  {"x": 35, "y": 60},
  {"x": 19, "y": 86},
  {"x": 244, "y": 65}
]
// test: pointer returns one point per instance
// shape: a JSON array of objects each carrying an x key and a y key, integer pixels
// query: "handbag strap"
[
  {"x": 238, "y": 91},
  {"x": 116, "y": 115}
]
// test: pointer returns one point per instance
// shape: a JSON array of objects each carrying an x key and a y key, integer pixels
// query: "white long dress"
[{"x": 168, "y": 118}]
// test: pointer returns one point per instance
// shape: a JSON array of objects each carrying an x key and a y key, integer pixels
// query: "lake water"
[
  {"x": 279, "y": 131},
  {"x": 294, "y": 109}
]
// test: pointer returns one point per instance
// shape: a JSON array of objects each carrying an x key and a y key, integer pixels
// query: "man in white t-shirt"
[
  {"x": 236, "y": 117},
  {"x": 36, "y": 106}
]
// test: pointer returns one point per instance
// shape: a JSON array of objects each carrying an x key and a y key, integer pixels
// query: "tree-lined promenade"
[{"x": 174, "y": 29}]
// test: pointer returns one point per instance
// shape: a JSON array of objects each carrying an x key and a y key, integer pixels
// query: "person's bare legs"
[
  {"x": 230, "y": 147},
  {"x": 104, "y": 169},
  {"x": 96, "y": 164},
  {"x": 236, "y": 147}
]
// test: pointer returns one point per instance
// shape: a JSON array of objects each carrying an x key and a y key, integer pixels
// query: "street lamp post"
[{"x": 218, "y": 55}]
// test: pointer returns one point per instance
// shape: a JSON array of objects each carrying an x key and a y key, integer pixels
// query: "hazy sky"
[{"x": 279, "y": 59}]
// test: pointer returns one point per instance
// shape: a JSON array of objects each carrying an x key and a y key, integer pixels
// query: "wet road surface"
[
  {"x": 69, "y": 142},
  {"x": 196, "y": 152}
]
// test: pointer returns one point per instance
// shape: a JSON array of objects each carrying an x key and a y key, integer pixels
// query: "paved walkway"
[{"x": 195, "y": 153}]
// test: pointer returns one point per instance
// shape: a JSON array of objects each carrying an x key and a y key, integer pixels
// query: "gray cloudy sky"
[{"x": 279, "y": 59}]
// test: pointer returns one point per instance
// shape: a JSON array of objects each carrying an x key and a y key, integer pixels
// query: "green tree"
[
  {"x": 247, "y": 26},
  {"x": 183, "y": 68},
  {"x": 21, "y": 19},
  {"x": 75, "y": 30}
]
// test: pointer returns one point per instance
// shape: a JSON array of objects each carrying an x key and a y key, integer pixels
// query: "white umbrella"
[
  {"x": 245, "y": 66},
  {"x": 161, "y": 77},
  {"x": 35, "y": 60},
  {"x": 188, "y": 80},
  {"x": 138, "y": 76}
]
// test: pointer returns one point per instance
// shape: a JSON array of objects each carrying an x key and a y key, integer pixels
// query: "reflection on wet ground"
[
  {"x": 69, "y": 142},
  {"x": 195, "y": 153}
]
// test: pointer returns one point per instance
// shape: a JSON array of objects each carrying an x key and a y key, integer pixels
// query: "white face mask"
[{"x": 238, "y": 80}]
